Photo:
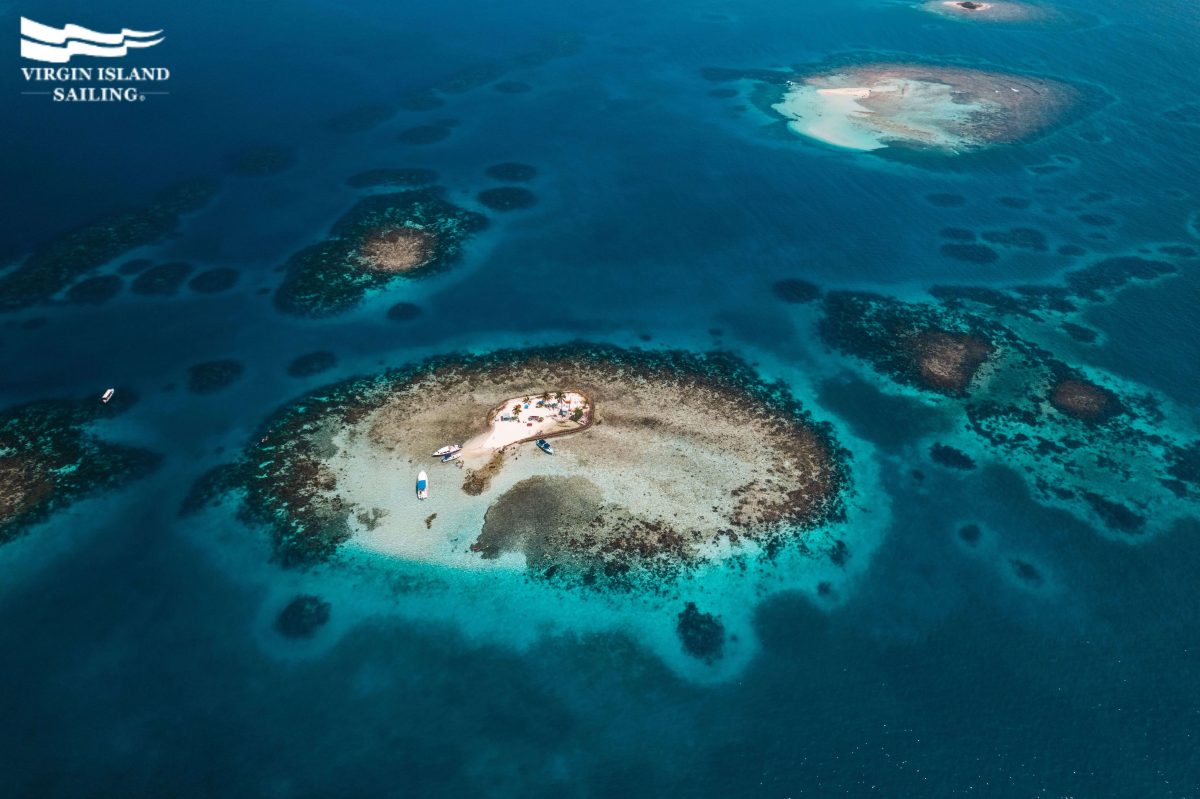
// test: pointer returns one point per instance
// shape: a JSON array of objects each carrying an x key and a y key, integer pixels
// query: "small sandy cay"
[
  {"x": 947, "y": 109},
  {"x": 659, "y": 461},
  {"x": 996, "y": 11}
]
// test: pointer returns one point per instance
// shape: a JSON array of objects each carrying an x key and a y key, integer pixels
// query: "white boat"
[
  {"x": 449, "y": 456},
  {"x": 107, "y": 395},
  {"x": 422, "y": 486},
  {"x": 544, "y": 446},
  {"x": 447, "y": 450}
]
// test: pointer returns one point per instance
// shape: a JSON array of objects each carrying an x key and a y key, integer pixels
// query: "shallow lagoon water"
[{"x": 140, "y": 650}]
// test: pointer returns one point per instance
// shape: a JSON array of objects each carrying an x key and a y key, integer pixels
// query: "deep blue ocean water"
[{"x": 133, "y": 662}]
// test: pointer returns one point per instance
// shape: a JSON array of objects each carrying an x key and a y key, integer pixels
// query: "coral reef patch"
[
  {"x": 303, "y": 616},
  {"x": 507, "y": 198},
  {"x": 52, "y": 267},
  {"x": 1082, "y": 442},
  {"x": 702, "y": 634},
  {"x": 385, "y": 237},
  {"x": 210, "y": 377},
  {"x": 312, "y": 363},
  {"x": 49, "y": 459}
]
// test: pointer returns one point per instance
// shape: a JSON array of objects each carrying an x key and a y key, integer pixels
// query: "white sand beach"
[{"x": 872, "y": 107}]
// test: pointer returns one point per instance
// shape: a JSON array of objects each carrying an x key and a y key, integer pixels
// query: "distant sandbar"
[{"x": 950, "y": 109}]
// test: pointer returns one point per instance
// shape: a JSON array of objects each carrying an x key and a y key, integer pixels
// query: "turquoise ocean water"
[{"x": 138, "y": 653}]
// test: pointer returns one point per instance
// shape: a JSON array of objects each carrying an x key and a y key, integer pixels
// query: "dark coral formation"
[
  {"x": 213, "y": 376},
  {"x": 214, "y": 281},
  {"x": 1084, "y": 335},
  {"x": 1026, "y": 572},
  {"x": 287, "y": 486},
  {"x": 1090, "y": 284},
  {"x": 403, "y": 312},
  {"x": 912, "y": 344},
  {"x": 1184, "y": 466},
  {"x": 511, "y": 172},
  {"x": 970, "y": 534},
  {"x": 334, "y": 275},
  {"x": 312, "y": 363},
  {"x": 163, "y": 280},
  {"x": 210, "y": 488},
  {"x": 401, "y": 176},
  {"x": 303, "y": 616},
  {"x": 50, "y": 268},
  {"x": 95, "y": 290},
  {"x": 796, "y": 291},
  {"x": 702, "y": 634},
  {"x": 532, "y": 515},
  {"x": 1075, "y": 441},
  {"x": 49, "y": 460},
  {"x": 507, "y": 198},
  {"x": 951, "y": 457},
  {"x": 260, "y": 161}
]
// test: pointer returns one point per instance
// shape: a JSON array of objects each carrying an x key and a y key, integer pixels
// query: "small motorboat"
[
  {"x": 447, "y": 450},
  {"x": 422, "y": 485},
  {"x": 544, "y": 446},
  {"x": 107, "y": 395},
  {"x": 449, "y": 456}
]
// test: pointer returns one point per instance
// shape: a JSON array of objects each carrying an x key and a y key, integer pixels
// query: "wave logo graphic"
[{"x": 56, "y": 45}]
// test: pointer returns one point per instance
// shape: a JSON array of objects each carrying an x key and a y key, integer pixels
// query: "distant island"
[{"x": 951, "y": 109}]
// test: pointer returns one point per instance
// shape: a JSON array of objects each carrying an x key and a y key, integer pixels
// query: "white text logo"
[{"x": 71, "y": 84}]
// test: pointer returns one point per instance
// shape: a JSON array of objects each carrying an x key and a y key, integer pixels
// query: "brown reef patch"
[
  {"x": 1083, "y": 400},
  {"x": 396, "y": 250},
  {"x": 22, "y": 486},
  {"x": 949, "y": 361}
]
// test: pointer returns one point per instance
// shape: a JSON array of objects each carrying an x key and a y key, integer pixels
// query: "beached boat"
[
  {"x": 447, "y": 450},
  {"x": 544, "y": 446},
  {"x": 107, "y": 395},
  {"x": 422, "y": 485},
  {"x": 449, "y": 456}
]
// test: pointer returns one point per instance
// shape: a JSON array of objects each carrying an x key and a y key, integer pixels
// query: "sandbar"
[{"x": 948, "y": 109}]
